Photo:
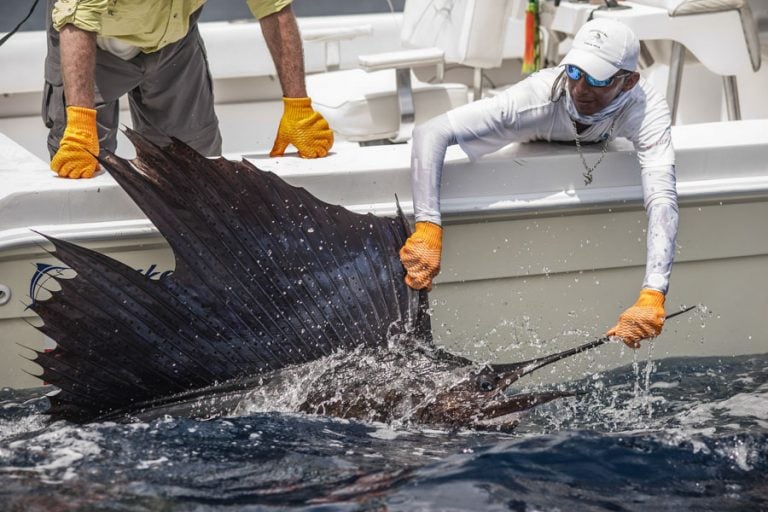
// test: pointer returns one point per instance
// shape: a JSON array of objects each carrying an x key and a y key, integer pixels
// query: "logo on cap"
[{"x": 596, "y": 38}]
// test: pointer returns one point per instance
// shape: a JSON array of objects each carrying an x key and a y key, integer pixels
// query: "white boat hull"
[{"x": 529, "y": 267}]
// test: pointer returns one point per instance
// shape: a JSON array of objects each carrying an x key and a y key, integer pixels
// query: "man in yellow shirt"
[{"x": 151, "y": 50}]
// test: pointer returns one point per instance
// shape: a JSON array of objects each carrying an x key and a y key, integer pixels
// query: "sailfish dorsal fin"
[{"x": 266, "y": 276}]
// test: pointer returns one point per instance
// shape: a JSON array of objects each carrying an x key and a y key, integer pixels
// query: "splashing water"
[{"x": 701, "y": 444}]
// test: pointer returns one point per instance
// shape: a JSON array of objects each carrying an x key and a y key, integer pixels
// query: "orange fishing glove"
[
  {"x": 75, "y": 157},
  {"x": 643, "y": 320},
  {"x": 301, "y": 126},
  {"x": 421, "y": 255}
]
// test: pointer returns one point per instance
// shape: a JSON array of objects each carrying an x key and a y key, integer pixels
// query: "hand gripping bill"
[
  {"x": 421, "y": 255},
  {"x": 643, "y": 320},
  {"x": 76, "y": 157},
  {"x": 306, "y": 129}
]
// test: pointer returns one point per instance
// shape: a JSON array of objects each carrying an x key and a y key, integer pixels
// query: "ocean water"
[{"x": 670, "y": 434}]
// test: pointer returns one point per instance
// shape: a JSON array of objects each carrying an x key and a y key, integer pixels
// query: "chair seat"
[
  {"x": 676, "y": 8},
  {"x": 363, "y": 106}
]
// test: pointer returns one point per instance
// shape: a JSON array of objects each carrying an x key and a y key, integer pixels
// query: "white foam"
[
  {"x": 664, "y": 385},
  {"x": 743, "y": 405},
  {"x": 146, "y": 464},
  {"x": 746, "y": 405},
  {"x": 9, "y": 429},
  {"x": 61, "y": 447},
  {"x": 385, "y": 432},
  {"x": 739, "y": 453}
]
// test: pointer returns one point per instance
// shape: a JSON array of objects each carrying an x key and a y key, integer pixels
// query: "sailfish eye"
[{"x": 485, "y": 382}]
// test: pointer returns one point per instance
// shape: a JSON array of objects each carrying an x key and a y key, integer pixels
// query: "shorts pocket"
[{"x": 53, "y": 110}]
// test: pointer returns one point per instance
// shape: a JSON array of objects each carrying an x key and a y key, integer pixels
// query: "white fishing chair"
[
  {"x": 726, "y": 57},
  {"x": 703, "y": 27},
  {"x": 382, "y": 100}
]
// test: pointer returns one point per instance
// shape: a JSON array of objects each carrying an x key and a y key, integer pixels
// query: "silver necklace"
[{"x": 588, "y": 175}]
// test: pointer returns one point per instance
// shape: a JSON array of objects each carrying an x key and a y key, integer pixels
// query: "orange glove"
[
  {"x": 421, "y": 255},
  {"x": 643, "y": 320},
  {"x": 301, "y": 126},
  {"x": 75, "y": 157}
]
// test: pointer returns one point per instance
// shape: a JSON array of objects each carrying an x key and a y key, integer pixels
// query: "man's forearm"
[
  {"x": 662, "y": 233},
  {"x": 78, "y": 61},
  {"x": 284, "y": 42},
  {"x": 660, "y": 201},
  {"x": 430, "y": 142}
]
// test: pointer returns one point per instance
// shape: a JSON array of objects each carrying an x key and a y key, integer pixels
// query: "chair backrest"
[{"x": 470, "y": 32}]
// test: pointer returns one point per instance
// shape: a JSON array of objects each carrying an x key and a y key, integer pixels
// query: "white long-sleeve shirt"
[{"x": 527, "y": 112}]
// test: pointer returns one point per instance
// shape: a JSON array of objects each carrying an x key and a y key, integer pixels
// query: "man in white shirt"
[{"x": 594, "y": 96}]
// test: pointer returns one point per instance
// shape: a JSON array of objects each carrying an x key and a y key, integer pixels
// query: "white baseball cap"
[{"x": 602, "y": 47}]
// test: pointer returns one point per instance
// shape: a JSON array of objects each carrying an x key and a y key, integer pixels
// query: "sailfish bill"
[{"x": 268, "y": 280}]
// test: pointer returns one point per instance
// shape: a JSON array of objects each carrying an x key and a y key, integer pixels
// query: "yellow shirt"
[{"x": 146, "y": 24}]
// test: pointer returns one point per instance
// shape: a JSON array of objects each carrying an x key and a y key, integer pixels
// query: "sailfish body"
[{"x": 267, "y": 277}]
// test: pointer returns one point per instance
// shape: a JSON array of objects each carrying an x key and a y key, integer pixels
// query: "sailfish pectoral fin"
[{"x": 521, "y": 402}]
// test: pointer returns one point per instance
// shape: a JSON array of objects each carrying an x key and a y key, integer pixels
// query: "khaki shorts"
[{"x": 170, "y": 94}]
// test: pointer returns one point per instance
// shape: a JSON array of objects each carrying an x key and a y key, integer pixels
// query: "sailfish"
[{"x": 268, "y": 280}]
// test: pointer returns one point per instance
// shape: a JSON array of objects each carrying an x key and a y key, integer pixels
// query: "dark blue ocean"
[{"x": 670, "y": 434}]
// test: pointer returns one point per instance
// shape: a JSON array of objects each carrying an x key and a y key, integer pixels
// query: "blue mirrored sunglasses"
[{"x": 575, "y": 73}]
